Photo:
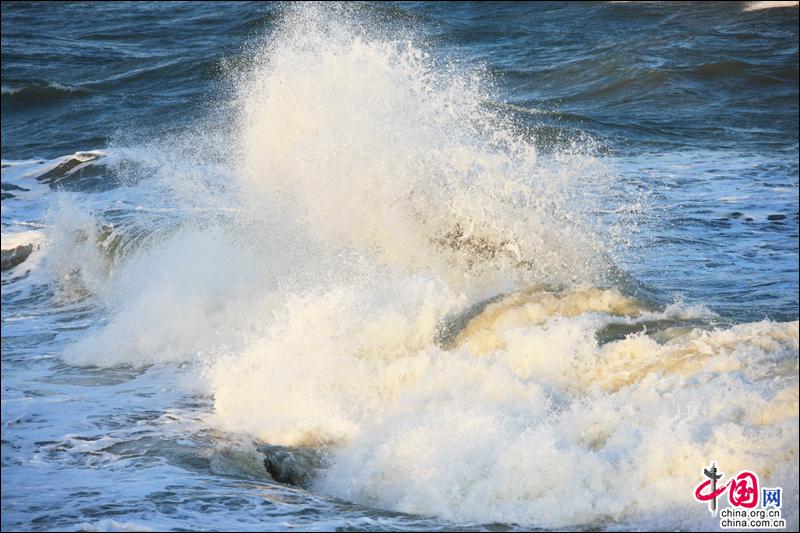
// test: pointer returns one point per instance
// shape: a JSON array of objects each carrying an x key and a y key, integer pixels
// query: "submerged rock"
[
  {"x": 14, "y": 256},
  {"x": 293, "y": 465}
]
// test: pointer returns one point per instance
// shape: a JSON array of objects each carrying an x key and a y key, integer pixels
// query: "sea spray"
[{"x": 372, "y": 144}]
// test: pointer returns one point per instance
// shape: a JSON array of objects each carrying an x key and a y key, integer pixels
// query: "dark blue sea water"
[{"x": 469, "y": 265}]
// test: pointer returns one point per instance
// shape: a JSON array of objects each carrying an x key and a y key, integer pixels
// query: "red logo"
[{"x": 742, "y": 489}]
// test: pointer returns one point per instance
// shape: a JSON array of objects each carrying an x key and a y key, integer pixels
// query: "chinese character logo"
[
  {"x": 771, "y": 498},
  {"x": 742, "y": 489},
  {"x": 711, "y": 496}
]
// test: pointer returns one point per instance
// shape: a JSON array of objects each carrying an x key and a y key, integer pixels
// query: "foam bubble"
[{"x": 556, "y": 431}]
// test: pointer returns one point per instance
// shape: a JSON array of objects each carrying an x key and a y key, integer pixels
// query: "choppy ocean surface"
[{"x": 443, "y": 266}]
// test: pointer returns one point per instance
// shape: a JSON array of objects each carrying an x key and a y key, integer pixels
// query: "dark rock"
[
  {"x": 15, "y": 256},
  {"x": 293, "y": 465}
]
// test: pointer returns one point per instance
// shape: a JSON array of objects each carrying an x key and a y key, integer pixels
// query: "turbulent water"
[{"x": 443, "y": 266}]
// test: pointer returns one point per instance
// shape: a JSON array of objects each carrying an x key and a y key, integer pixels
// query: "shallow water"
[{"x": 503, "y": 266}]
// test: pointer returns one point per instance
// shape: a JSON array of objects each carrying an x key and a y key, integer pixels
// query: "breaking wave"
[{"x": 373, "y": 261}]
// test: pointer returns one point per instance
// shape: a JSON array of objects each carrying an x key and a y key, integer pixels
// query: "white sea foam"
[
  {"x": 758, "y": 6},
  {"x": 108, "y": 524},
  {"x": 9, "y": 91},
  {"x": 556, "y": 431}
]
